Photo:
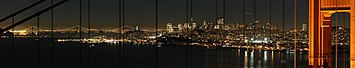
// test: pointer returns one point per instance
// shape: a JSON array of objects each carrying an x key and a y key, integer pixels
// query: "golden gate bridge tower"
[{"x": 320, "y": 29}]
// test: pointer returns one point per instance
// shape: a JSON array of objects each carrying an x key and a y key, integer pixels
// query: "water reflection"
[
  {"x": 269, "y": 59},
  {"x": 175, "y": 57},
  {"x": 246, "y": 59},
  {"x": 140, "y": 55}
]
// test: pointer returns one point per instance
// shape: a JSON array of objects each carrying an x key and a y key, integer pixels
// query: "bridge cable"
[
  {"x": 283, "y": 19},
  {"x": 270, "y": 17},
  {"x": 189, "y": 21},
  {"x": 191, "y": 16},
  {"x": 270, "y": 25},
  {"x": 336, "y": 34},
  {"x": 123, "y": 24},
  {"x": 224, "y": 19},
  {"x": 187, "y": 30},
  {"x": 120, "y": 32},
  {"x": 283, "y": 27},
  {"x": 255, "y": 28},
  {"x": 89, "y": 31},
  {"x": 38, "y": 42},
  {"x": 188, "y": 54},
  {"x": 115, "y": 45},
  {"x": 156, "y": 33},
  {"x": 52, "y": 36},
  {"x": 21, "y": 9},
  {"x": 295, "y": 33},
  {"x": 123, "y": 29},
  {"x": 13, "y": 44},
  {"x": 216, "y": 15},
  {"x": 243, "y": 29},
  {"x": 80, "y": 33},
  {"x": 344, "y": 57}
]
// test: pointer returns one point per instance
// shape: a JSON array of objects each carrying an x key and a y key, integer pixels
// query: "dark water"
[{"x": 68, "y": 55}]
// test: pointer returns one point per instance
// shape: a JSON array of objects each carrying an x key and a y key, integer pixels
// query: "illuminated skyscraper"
[
  {"x": 193, "y": 26},
  {"x": 304, "y": 27},
  {"x": 180, "y": 26},
  {"x": 220, "y": 23},
  {"x": 169, "y": 27},
  {"x": 186, "y": 26},
  {"x": 137, "y": 28},
  {"x": 254, "y": 25},
  {"x": 205, "y": 25},
  {"x": 269, "y": 26}
]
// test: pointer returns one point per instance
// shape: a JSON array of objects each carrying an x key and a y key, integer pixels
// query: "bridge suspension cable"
[
  {"x": 295, "y": 33},
  {"x": 32, "y": 16},
  {"x": 21, "y": 10}
]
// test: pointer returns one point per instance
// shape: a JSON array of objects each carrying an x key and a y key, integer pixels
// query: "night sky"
[{"x": 104, "y": 13}]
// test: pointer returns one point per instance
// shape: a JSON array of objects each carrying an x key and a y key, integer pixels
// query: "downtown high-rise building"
[
  {"x": 194, "y": 25},
  {"x": 169, "y": 27},
  {"x": 304, "y": 27},
  {"x": 186, "y": 26},
  {"x": 220, "y": 23},
  {"x": 204, "y": 25},
  {"x": 180, "y": 27}
]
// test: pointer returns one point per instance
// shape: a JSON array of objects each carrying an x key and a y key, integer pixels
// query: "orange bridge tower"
[{"x": 320, "y": 31}]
